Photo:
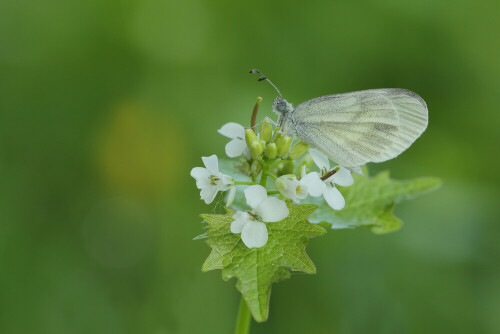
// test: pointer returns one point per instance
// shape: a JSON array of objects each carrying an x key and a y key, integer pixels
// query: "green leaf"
[
  {"x": 370, "y": 201},
  {"x": 257, "y": 268}
]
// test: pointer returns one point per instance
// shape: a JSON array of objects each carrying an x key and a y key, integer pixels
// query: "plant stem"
[
  {"x": 273, "y": 192},
  {"x": 263, "y": 177},
  {"x": 244, "y": 182},
  {"x": 271, "y": 175},
  {"x": 276, "y": 163},
  {"x": 243, "y": 320}
]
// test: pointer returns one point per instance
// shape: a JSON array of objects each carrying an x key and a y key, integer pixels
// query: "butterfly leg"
[
  {"x": 278, "y": 129},
  {"x": 273, "y": 137},
  {"x": 257, "y": 126}
]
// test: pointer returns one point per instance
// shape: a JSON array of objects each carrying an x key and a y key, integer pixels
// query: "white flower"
[
  {"x": 291, "y": 188},
  {"x": 317, "y": 187},
  {"x": 237, "y": 146},
  {"x": 265, "y": 209},
  {"x": 211, "y": 181}
]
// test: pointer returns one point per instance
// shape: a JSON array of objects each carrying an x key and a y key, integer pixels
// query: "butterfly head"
[{"x": 281, "y": 106}]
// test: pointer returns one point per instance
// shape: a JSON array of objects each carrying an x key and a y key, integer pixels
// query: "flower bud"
[
  {"x": 263, "y": 143},
  {"x": 283, "y": 145},
  {"x": 298, "y": 149},
  {"x": 256, "y": 150},
  {"x": 271, "y": 151},
  {"x": 266, "y": 132},
  {"x": 250, "y": 137}
]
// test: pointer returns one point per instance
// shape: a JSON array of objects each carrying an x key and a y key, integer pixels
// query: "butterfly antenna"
[{"x": 263, "y": 77}]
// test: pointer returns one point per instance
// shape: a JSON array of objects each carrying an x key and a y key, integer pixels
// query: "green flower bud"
[
  {"x": 266, "y": 132},
  {"x": 271, "y": 151},
  {"x": 298, "y": 149},
  {"x": 250, "y": 137},
  {"x": 256, "y": 150},
  {"x": 283, "y": 145}
]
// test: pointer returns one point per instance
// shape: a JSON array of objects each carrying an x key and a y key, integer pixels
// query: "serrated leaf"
[
  {"x": 257, "y": 268},
  {"x": 370, "y": 201}
]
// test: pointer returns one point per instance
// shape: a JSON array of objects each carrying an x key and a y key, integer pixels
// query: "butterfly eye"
[{"x": 280, "y": 105}]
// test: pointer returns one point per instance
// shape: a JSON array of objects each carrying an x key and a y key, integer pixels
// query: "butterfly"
[{"x": 355, "y": 128}]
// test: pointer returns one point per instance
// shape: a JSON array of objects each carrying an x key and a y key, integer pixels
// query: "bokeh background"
[{"x": 105, "y": 106}]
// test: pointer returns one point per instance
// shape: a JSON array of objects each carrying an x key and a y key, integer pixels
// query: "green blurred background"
[{"x": 105, "y": 106}]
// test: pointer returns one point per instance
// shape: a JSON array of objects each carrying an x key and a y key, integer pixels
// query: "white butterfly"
[{"x": 355, "y": 128}]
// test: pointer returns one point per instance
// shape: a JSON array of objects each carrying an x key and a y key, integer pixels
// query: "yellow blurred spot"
[{"x": 140, "y": 151}]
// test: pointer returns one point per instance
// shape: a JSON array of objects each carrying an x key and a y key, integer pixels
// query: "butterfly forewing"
[{"x": 359, "y": 127}]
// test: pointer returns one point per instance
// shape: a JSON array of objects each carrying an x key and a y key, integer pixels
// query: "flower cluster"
[{"x": 268, "y": 153}]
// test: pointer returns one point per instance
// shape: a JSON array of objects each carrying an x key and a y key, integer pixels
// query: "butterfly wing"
[{"x": 359, "y": 127}]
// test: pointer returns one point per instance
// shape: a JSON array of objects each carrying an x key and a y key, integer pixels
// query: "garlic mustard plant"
[{"x": 279, "y": 194}]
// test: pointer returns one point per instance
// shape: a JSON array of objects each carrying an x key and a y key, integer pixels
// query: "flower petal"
[
  {"x": 254, "y": 234},
  {"x": 240, "y": 220},
  {"x": 315, "y": 186},
  {"x": 242, "y": 215},
  {"x": 301, "y": 192},
  {"x": 226, "y": 182},
  {"x": 334, "y": 198},
  {"x": 235, "y": 147},
  {"x": 231, "y": 195},
  {"x": 343, "y": 177},
  {"x": 203, "y": 183},
  {"x": 200, "y": 173},
  {"x": 319, "y": 159},
  {"x": 287, "y": 186},
  {"x": 212, "y": 164},
  {"x": 255, "y": 195},
  {"x": 272, "y": 210},
  {"x": 246, "y": 153},
  {"x": 232, "y": 130},
  {"x": 237, "y": 226},
  {"x": 208, "y": 194}
]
